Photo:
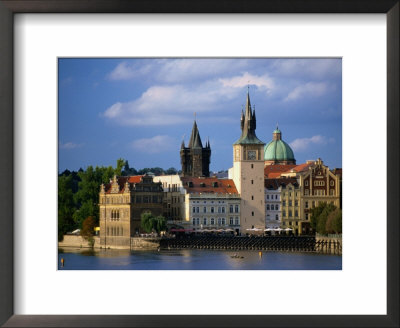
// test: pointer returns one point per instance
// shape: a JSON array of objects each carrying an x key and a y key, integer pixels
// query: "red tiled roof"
[
  {"x": 274, "y": 171},
  {"x": 302, "y": 167},
  {"x": 121, "y": 181},
  {"x": 225, "y": 186}
]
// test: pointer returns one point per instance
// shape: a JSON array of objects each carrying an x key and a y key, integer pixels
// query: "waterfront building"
[
  {"x": 211, "y": 203},
  {"x": 173, "y": 199},
  {"x": 121, "y": 204},
  {"x": 248, "y": 172},
  {"x": 195, "y": 159},
  {"x": 273, "y": 212},
  {"x": 278, "y": 151}
]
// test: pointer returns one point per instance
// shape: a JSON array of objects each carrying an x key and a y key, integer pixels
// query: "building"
[
  {"x": 121, "y": 204},
  {"x": 273, "y": 211},
  {"x": 211, "y": 204},
  {"x": 195, "y": 159},
  {"x": 277, "y": 151},
  {"x": 248, "y": 172},
  {"x": 173, "y": 197}
]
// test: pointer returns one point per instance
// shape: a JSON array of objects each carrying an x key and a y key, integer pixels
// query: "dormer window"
[
  {"x": 215, "y": 184},
  {"x": 202, "y": 184},
  {"x": 190, "y": 184}
]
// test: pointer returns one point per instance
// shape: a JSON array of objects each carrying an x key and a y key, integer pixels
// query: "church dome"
[{"x": 277, "y": 151}]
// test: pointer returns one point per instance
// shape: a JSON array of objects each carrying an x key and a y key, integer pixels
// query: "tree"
[
  {"x": 87, "y": 231},
  {"x": 334, "y": 221},
  {"x": 319, "y": 217},
  {"x": 147, "y": 222},
  {"x": 66, "y": 205}
]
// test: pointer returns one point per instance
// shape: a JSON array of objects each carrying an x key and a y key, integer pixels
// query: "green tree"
[
  {"x": 66, "y": 205},
  {"x": 87, "y": 231},
  {"x": 334, "y": 221},
  {"x": 319, "y": 217},
  {"x": 147, "y": 222},
  {"x": 160, "y": 223}
]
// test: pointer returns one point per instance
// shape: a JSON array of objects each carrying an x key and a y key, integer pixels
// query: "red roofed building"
[
  {"x": 211, "y": 204},
  {"x": 121, "y": 204}
]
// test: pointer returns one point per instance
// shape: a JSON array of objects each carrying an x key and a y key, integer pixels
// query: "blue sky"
[{"x": 140, "y": 109}]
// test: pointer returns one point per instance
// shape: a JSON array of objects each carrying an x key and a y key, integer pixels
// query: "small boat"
[{"x": 235, "y": 256}]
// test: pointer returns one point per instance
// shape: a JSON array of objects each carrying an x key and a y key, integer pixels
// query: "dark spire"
[
  {"x": 248, "y": 124},
  {"x": 195, "y": 140}
]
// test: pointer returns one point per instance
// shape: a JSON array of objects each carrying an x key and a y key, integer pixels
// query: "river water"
[{"x": 85, "y": 259}]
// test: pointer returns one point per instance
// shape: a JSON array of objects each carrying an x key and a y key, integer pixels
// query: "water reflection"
[{"x": 113, "y": 259}]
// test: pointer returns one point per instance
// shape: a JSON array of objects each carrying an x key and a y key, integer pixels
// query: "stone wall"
[
  {"x": 145, "y": 243},
  {"x": 78, "y": 241}
]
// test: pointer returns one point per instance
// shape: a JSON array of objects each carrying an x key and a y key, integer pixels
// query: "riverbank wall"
[
  {"x": 136, "y": 243},
  {"x": 331, "y": 244},
  {"x": 78, "y": 242}
]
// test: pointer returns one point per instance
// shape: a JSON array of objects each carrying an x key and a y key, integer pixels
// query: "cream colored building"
[
  {"x": 211, "y": 203},
  {"x": 248, "y": 173}
]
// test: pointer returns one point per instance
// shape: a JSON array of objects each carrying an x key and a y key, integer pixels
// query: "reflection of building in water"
[{"x": 121, "y": 204}]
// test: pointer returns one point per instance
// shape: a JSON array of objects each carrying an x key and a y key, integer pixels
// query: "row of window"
[
  {"x": 296, "y": 203},
  {"x": 114, "y": 200},
  {"x": 319, "y": 192},
  {"x": 205, "y": 202},
  {"x": 115, "y": 215},
  {"x": 272, "y": 207},
  {"x": 148, "y": 199},
  {"x": 115, "y": 231},
  {"x": 320, "y": 183},
  {"x": 276, "y": 217},
  {"x": 213, "y": 221},
  {"x": 272, "y": 196},
  {"x": 296, "y": 213},
  {"x": 219, "y": 209}
]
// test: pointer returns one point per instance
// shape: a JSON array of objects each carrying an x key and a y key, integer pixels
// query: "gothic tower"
[
  {"x": 248, "y": 173},
  {"x": 195, "y": 159}
]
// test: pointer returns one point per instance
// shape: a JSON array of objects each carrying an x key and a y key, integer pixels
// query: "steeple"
[
  {"x": 195, "y": 140},
  {"x": 248, "y": 125}
]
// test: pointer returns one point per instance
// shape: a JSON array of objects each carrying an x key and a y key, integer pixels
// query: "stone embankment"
[
  {"x": 137, "y": 243},
  {"x": 78, "y": 241}
]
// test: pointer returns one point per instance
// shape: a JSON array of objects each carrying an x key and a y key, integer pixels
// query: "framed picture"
[{"x": 12, "y": 303}]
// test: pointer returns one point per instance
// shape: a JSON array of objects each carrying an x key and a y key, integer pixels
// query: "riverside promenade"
[{"x": 272, "y": 243}]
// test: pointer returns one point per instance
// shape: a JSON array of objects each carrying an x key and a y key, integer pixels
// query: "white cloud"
[
  {"x": 126, "y": 71},
  {"x": 310, "y": 89},
  {"x": 263, "y": 82},
  {"x": 156, "y": 144},
  {"x": 69, "y": 145},
  {"x": 167, "y": 105},
  {"x": 302, "y": 144}
]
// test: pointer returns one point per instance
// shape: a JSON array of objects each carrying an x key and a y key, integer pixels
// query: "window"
[
  {"x": 219, "y": 209},
  {"x": 223, "y": 221},
  {"x": 219, "y": 221},
  {"x": 332, "y": 183},
  {"x": 290, "y": 213},
  {"x": 306, "y": 183},
  {"x": 252, "y": 166},
  {"x": 197, "y": 209},
  {"x": 194, "y": 221},
  {"x": 198, "y": 221},
  {"x": 296, "y": 213},
  {"x": 223, "y": 209},
  {"x": 205, "y": 221},
  {"x": 212, "y": 221},
  {"x": 236, "y": 221},
  {"x": 212, "y": 209},
  {"x": 276, "y": 217},
  {"x": 284, "y": 203},
  {"x": 290, "y": 222},
  {"x": 290, "y": 203},
  {"x": 306, "y": 205},
  {"x": 267, "y": 207},
  {"x": 194, "y": 209},
  {"x": 306, "y": 192},
  {"x": 267, "y": 196},
  {"x": 204, "y": 209},
  {"x": 297, "y": 223},
  {"x": 252, "y": 213},
  {"x": 276, "y": 207},
  {"x": 231, "y": 221},
  {"x": 230, "y": 208},
  {"x": 236, "y": 208},
  {"x": 252, "y": 181},
  {"x": 296, "y": 203},
  {"x": 252, "y": 197},
  {"x": 306, "y": 216}
]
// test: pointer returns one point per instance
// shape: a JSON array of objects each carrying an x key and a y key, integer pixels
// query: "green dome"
[
  {"x": 278, "y": 150},
  {"x": 277, "y": 131}
]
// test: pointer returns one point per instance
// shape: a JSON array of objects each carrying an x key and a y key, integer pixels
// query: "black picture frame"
[{"x": 7, "y": 10}]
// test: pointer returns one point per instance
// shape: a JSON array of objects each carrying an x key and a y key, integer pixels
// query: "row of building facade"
[{"x": 265, "y": 190}]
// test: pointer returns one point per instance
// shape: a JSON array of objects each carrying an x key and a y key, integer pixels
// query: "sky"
[{"x": 140, "y": 109}]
